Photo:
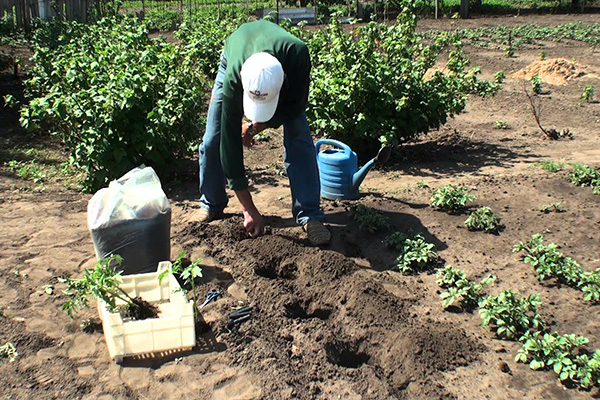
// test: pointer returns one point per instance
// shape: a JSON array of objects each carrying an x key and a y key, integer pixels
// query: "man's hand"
[
  {"x": 254, "y": 224},
  {"x": 253, "y": 221},
  {"x": 247, "y": 138}
]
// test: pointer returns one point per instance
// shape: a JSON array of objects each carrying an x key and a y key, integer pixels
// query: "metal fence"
[{"x": 23, "y": 12}]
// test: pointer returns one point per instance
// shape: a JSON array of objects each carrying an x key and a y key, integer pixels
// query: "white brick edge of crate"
[{"x": 174, "y": 328}]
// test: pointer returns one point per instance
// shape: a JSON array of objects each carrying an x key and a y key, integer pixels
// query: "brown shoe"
[
  {"x": 317, "y": 233},
  {"x": 207, "y": 215}
]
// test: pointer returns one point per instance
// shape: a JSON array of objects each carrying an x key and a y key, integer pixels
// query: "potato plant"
[
  {"x": 553, "y": 207},
  {"x": 511, "y": 315},
  {"x": 563, "y": 354},
  {"x": 549, "y": 263},
  {"x": 461, "y": 289},
  {"x": 370, "y": 219},
  {"x": 483, "y": 219},
  {"x": 451, "y": 198},
  {"x": 552, "y": 166},
  {"x": 415, "y": 253},
  {"x": 585, "y": 175}
]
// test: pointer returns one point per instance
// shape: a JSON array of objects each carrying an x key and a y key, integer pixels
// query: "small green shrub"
[
  {"x": 451, "y": 198},
  {"x": 536, "y": 84},
  {"x": 552, "y": 166},
  {"x": 483, "y": 219},
  {"x": 499, "y": 124},
  {"x": 584, "y": 175},
  {"x": 369, "y": 219},
  {"x": 588, "y": 94},
  {"x": 543, "y": 55},
  {"x": 511, "y": 315},
  {"x": 460, "y": 289},
  {"x": 415, "y": 253}
]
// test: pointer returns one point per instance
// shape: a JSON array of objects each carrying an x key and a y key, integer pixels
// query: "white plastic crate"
[{"x": 174, "y": 328}]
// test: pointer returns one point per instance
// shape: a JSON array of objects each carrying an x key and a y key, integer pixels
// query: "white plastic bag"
[{"x": 132, "y": 218}]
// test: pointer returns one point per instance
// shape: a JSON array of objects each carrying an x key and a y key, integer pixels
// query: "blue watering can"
[{"x": 338, "y": 169}]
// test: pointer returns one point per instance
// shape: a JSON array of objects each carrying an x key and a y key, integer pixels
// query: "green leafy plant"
[
  {"x": 370, "y": 219},
  {"x": 415, "y": 253},
  {"x": 483, "y": 219},
  {"x": 451, "y": 198},
  {"x": 116, "y": 97},
  {"x": 550, "y": 263},
  {"x": 552, "y": 166},
  {"x": 584, "y": 175},
  {"x": 188, "y": 274},
  {"x": 588, "y": 94},
  {"x": 499, "y": 124},
  {"x": 102, "y": 282},
  {"x": 553, "y": 207},
  {"x": 422, "y": 185},
  {"x": 510, "y": 314},
  {"x": 536, "y": 84},
  {"x": 560, "y": 353},
  {"x": 460, "y": 289},
  {"x": 8, "y": 351},
  {"x": 374, "y": 85},
  {"x": 543, "y": 55}
]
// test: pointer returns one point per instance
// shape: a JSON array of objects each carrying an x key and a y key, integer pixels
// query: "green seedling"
[
  {"x": 499, "y": 124},
  {"x": 483, "y": 219},
  {"x": 543, "y": 55},
  {"x": 451, "y": 198},
  {"x": 460, "y": 289},
  {"x": 422, "y": 185},
  {"x": 588, "y": 373},
  {"x": 188, "y": 274},
  {"x": 552, "y": 166},
  {"x": 584, "y": 175},
  {"x": 588, "y": 94},
  {"x": 103, "y": 282},
  {"x": 370, "y": 219},
  {"x": 510, "y": 314},
  {"x": 536, "y": 84},
  {"x": 415, "y": 253},
  {"x": 553, "y": 207},
  {"x": 8, "y": 351}
]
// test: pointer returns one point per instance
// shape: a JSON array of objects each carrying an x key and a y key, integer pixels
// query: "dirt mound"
[
  {"x": 317, "y": 315},
  {"x": 555, "y": 71}
]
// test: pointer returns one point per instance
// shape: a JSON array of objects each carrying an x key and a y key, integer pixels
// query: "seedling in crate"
[
  {"x": 103, "y": 282},
  {"x": 188, "y": 274},
  {"x": 483, "y": 219},
  {"x": 451, "y": 198},
  {"x": 370, "y": 219},
  {"x": 415, "y": 253},
  {"x": 460, "y": 288},
  {"x": 510, "y": 314}
]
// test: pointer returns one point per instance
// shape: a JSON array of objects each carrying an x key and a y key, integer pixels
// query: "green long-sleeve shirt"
[{"x": 292, "y": 53}]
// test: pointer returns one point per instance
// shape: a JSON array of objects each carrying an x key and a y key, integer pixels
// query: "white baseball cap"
[{"x": 262, "y": 78}]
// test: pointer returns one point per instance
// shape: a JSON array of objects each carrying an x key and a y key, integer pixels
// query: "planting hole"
[
  {"x": 345, "y": 354},
  {"x": 302, "y": 310}
]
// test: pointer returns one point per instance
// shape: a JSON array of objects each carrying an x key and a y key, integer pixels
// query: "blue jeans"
[{"x": 299, "y": 157}]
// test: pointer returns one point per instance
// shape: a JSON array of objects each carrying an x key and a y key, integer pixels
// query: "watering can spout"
[
  {"x": 359, "y": 176},
  {"x": 382, "y": 156}
]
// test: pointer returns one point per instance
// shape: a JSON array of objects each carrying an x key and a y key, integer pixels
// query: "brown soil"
[
  {"x": 556, "y": 71},
  {"x": 141, "y": 309},
  {"x": 335, "y": 322}
]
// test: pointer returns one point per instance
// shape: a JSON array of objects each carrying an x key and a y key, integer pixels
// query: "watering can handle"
[{"x": 332, "y": 142}]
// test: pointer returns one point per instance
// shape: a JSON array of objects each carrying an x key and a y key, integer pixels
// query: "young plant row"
[
  {"x": 549, "y": 263},
  {"x": 516, "y": 318}
]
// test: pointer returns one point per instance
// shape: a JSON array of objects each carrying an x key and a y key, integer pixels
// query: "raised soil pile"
[{"x": 555, "y": 71}]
